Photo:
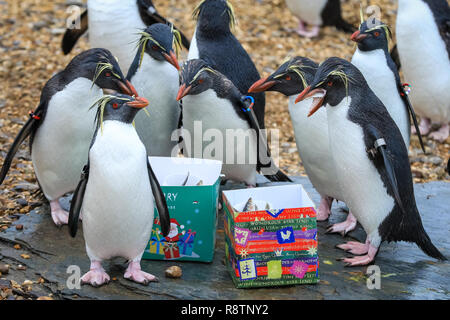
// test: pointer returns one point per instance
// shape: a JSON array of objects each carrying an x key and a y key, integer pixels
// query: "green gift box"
[
  {"x": 274, "y": 245},
  {"x": 191, "y": 187}
]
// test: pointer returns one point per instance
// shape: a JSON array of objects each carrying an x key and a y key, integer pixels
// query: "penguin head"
[
  {"x": 291, "y": 78},
  {"x": 197, "y": 77},
  {"x": 162, "y": 42},
  {"x": 372, "y": 35},
  {"x": 102, "y": 68},
  {"x": 119, "y": 107},
  {"x": 334, "y": 80},
  {"x": 214, "y": 16}
]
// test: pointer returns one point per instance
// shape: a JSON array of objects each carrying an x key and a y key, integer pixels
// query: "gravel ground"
[{"x": 30, "y": 37}]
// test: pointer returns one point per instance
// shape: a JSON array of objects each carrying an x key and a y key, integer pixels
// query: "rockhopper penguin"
[
  {"x": 311, "y": 134},
  {"x": 115, "y": 25},
  {"x": 318, "y": 13},
  {"x": 213, "y": 102},
  {"x": 371, "y": 161},
  {"x": 154, "y": 74},
  {"x": 61, "y": 127},
  {"x": 373, "y": 59},
  {"x": 423, "y": 40},
  {"x": 116, "y": 193},
  {"x": 214, "y": 42}
]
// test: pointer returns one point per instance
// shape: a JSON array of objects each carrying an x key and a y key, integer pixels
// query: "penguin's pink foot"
[
  {"x": 134, "y": 273},
  {"x": 354, "y": 247},
  {"x": 59, "y": 215},
  {"x": 424, "y": 127},
  {"x": 96, "y": 276},
  {"x": 361, "y": 260},
  {"x": 324, "y": 210},
  {"x": 302, "y": 31},
  {"x": 442, "y": 134},
  {"x": 344, "y": 227}
]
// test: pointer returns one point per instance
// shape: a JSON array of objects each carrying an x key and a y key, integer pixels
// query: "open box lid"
[
  {"x": 174, "y": 171},
  {"x": 279, "y": 197}
]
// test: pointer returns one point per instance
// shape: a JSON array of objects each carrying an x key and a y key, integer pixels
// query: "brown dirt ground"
[{"x": 30, "y": 37}]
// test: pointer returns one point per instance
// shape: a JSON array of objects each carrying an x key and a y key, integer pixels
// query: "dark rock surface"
[{"x": 406, "y": 272}]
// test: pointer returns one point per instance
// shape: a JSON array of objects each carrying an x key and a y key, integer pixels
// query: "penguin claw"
[
  {"x": 354, "y": 247},
  {"x": 95, "y": 278},
  {"x": 344, "y": 227},
  {"x": 59, "y": 215}
]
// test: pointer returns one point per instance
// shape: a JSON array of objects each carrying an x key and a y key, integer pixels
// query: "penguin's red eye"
[
  {"x": 200, "y": 81},
  {"x": 288, "y": 78},
  {"x": 376, "y": 34},
  {"x": 108, "y": 74},
  {"x": 155, "y": 47},
  {"x": 330, "y": 83},
  {"x": 115, "y": 105}
]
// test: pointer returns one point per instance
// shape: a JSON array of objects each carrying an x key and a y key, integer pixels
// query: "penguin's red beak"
[
  {"x": 318, "y": 96},
  {"x": 138, "y": 103},
  {"x": 261, "y": 85},
  {"x": 183, "y": 92},
  {"x": 358, "y": 36},
  {"x": 127, "y": 88},
  {"x": 172, "y": 59}
]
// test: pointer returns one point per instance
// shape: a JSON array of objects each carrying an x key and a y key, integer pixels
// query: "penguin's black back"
[
  {"x": 441, "y": 13},
  {"x": 219, "y": 47}
]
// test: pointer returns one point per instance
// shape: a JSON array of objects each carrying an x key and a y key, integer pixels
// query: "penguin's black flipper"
[
  {"x": 378, "y": 147},
  {"x": 72, "y": 35},
  {"x": 161, "y": 204},
  {"x": 150, "y": 15},
  {"x": 411, "y": 111},
  {"x": 77, "y": 202},
  {"x": 396, "y": 57},
  {"x": 332, "y": 16},
  {"x": 263, "y": 147},
  {"x": 27, "y": 130}
]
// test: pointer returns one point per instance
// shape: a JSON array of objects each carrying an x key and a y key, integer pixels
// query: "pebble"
[
  {"x": 4, "y": 268},
  {"x": 19, "y": 227},
  {"x": 174, "y": 272}
]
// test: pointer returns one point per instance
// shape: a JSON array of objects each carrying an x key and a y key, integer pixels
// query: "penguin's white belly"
[
  {"x": 218, "y": 133},
  {"x": 311, "y": 136},
  {"x": 425, "y": 61},
  {"x": 361, "y": 184},
  {"x": 381, "y": 80},
  {"x": 115, "y": 25},
  {"x": 118, "y": 202},
  {"x": 307, "y": 10},
  {"x": 61, "y": 144},
  {"x": 193, "y": 49},
  {"x": 158, "y": 82}
]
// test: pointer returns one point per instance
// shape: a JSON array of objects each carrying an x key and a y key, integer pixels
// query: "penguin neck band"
[{"x": 34, "y": 116}]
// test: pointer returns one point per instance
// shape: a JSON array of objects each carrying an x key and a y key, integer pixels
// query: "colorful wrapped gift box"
[
  {"x": 192, "y": 208},
  {"x": 272, "y": 247},
  {"x": 186, "y": 244}
]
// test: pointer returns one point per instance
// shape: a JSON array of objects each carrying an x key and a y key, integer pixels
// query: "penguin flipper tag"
[
  {"x": 379, "y": 147},
  {"x": 72, "y": 35},
  {"x": 150, "y": 15},
  {"x": 411, "y": 111},
  {"x": 160, "y": 200},
  {"x": 26, "y": 131},
  {"x": 77, "y": 202},
  {"x": 263, "y": 146}
]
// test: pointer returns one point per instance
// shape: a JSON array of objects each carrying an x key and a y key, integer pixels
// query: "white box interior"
[
  {"x": 174, "y": 171},
  {"x": 278, "y": 197}
]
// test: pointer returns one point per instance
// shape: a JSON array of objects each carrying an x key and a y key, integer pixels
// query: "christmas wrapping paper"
[
  {"x": 186, "y": 244},
  {"x": 171, "y": 250},
  {"x": 271, "y": 247},
  {"x": 156, "y": 244}
]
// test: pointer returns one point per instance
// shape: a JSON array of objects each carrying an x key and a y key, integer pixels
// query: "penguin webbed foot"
[
  {"x": 365, "y": 252},
  {"x": 302, "y": 31},
  {"x": 59, "y": 215},
  {"x": 96, "y": 276},
  {"x": 324, "y": 210},
  {"x": 442, "y": 134},
  {"x": 344, "y": 227},
  {"x": 135, "y": 274}
]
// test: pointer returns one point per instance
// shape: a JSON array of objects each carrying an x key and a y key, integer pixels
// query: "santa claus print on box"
[{"x": 192, "y": 208}]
